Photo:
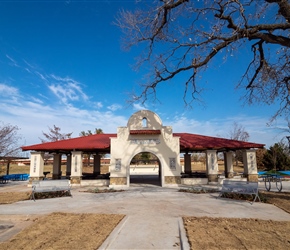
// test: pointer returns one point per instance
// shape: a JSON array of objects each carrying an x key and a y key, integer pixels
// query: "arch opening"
[
  {"x": 144, "y": 122},
  {"x": 145, "y": 169}
]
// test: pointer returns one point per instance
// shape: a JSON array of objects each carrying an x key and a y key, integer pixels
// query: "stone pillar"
[
  {"x": 76, "y": 167},
  {"x": 36, "y": 166},
  {"x": 56, "y": 172},
  {"x": 119, "y": 174},
  {"x": 250, "y": 165},
  {"x": 68, "y": 165},
  {"x": 229, "y": 167},
  {"x": 212, "y": 165},
  {"x": 187, "y": 163},
  {"x": 97, "y": 164}
]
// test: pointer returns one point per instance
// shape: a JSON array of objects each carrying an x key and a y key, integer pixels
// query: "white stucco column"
[
  {"x": 56, "y": 171},
  {"x": 250, "y": 165},
  {"x": 119, "y": 173},
  {"x": 68, "y": 165},
  {"x": 76, "y": 167},
  {"x": 97, "y": 164},
  {"x": 212, "y": 165},
  {"x": 36, "y": 166},
  {"x": 187, "y": 163},
  {"x": 229, "y": 167}
]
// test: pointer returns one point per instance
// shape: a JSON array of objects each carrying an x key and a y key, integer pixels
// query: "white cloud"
[
  {"x": 98, "y": 105},
  {"x": 66, "y": 89},
  {"x": 114, "y": 107},
  {"x": 139, "y": 106},
  {"x": 255, "y": 126},
  {"x": 6, "y": 90},
  {"x": 36, "y": 100},
  {"x": 40, "y": 75},
  {"x": 43, "y": 96},
  {"x": 13, "y": 62},
  {"x": 33, "y": 117}
]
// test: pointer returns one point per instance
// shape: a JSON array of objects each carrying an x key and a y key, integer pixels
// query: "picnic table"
[
  {"x": 269, "y": 178},
  {"x": 13, "y": 177}
]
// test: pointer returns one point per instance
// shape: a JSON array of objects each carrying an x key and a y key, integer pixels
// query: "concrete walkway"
[{"x": 153, "y": 214}]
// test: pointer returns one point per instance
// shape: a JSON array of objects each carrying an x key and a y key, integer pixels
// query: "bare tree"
[
  {"x": 239, "y": 133},
  {"x": 182, "y": 37},
  {"x": 54, "y": 134},
  {"x": 9, "y": 148},
  {"x": 9, "y": 140},
  {"x": 89, "y": 132},
  {"x": 286, "y": 130}
]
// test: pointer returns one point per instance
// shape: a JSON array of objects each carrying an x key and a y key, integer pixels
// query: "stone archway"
[
  {"x": 145, "y": 133},
  {"x": 145, "y": 168}
]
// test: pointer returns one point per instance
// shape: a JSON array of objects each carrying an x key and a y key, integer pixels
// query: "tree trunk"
[{"x": 8, "y": 167}]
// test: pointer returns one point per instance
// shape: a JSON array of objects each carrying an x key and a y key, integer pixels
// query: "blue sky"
[{"x": 61, "y": 63}]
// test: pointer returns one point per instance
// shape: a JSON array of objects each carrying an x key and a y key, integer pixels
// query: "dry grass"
[
  {"x": 11, "y": 197},
  {"x": 65, "y": 231},
  {"x": 201, "y": 167},
  {"x": 232, "y": 233}
]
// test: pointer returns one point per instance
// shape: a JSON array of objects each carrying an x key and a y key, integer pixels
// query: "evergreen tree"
[{"x": 276, "y": 157}]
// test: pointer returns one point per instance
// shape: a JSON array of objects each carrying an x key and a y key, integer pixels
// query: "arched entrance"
[
  {"x": 145, "y": 168},
  {"x": 144, "y": 133}
]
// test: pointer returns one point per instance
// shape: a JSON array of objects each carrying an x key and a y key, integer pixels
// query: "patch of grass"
[
  {"x": 97, "y": 190},
  {"x": 53, "y": 194},
  {"x": 198, "y": 190}
]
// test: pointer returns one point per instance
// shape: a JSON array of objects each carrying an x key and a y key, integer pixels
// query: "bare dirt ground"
[{"x": 88, "y": 231}]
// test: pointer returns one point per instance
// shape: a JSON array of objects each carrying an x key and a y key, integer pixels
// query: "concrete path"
[{"x": 153, "y": 214}]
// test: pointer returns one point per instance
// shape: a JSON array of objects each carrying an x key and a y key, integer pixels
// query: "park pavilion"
[{"x": 144, "y": 133}]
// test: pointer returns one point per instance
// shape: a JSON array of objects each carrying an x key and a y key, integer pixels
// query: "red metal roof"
[
  {"x": 145, "y": 132},
  {"x": 101, "y": 142},
  {"x": 193, "y": 142},
  {"x": 97, "y": 142}
]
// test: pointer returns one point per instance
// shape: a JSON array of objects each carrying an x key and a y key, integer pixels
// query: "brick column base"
[
  {"x": 118, "y": 180},
  {"x": 252, "y": 177},
  {"x": 75, "y": 179},
  {"x": 172, "y": 179}
]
